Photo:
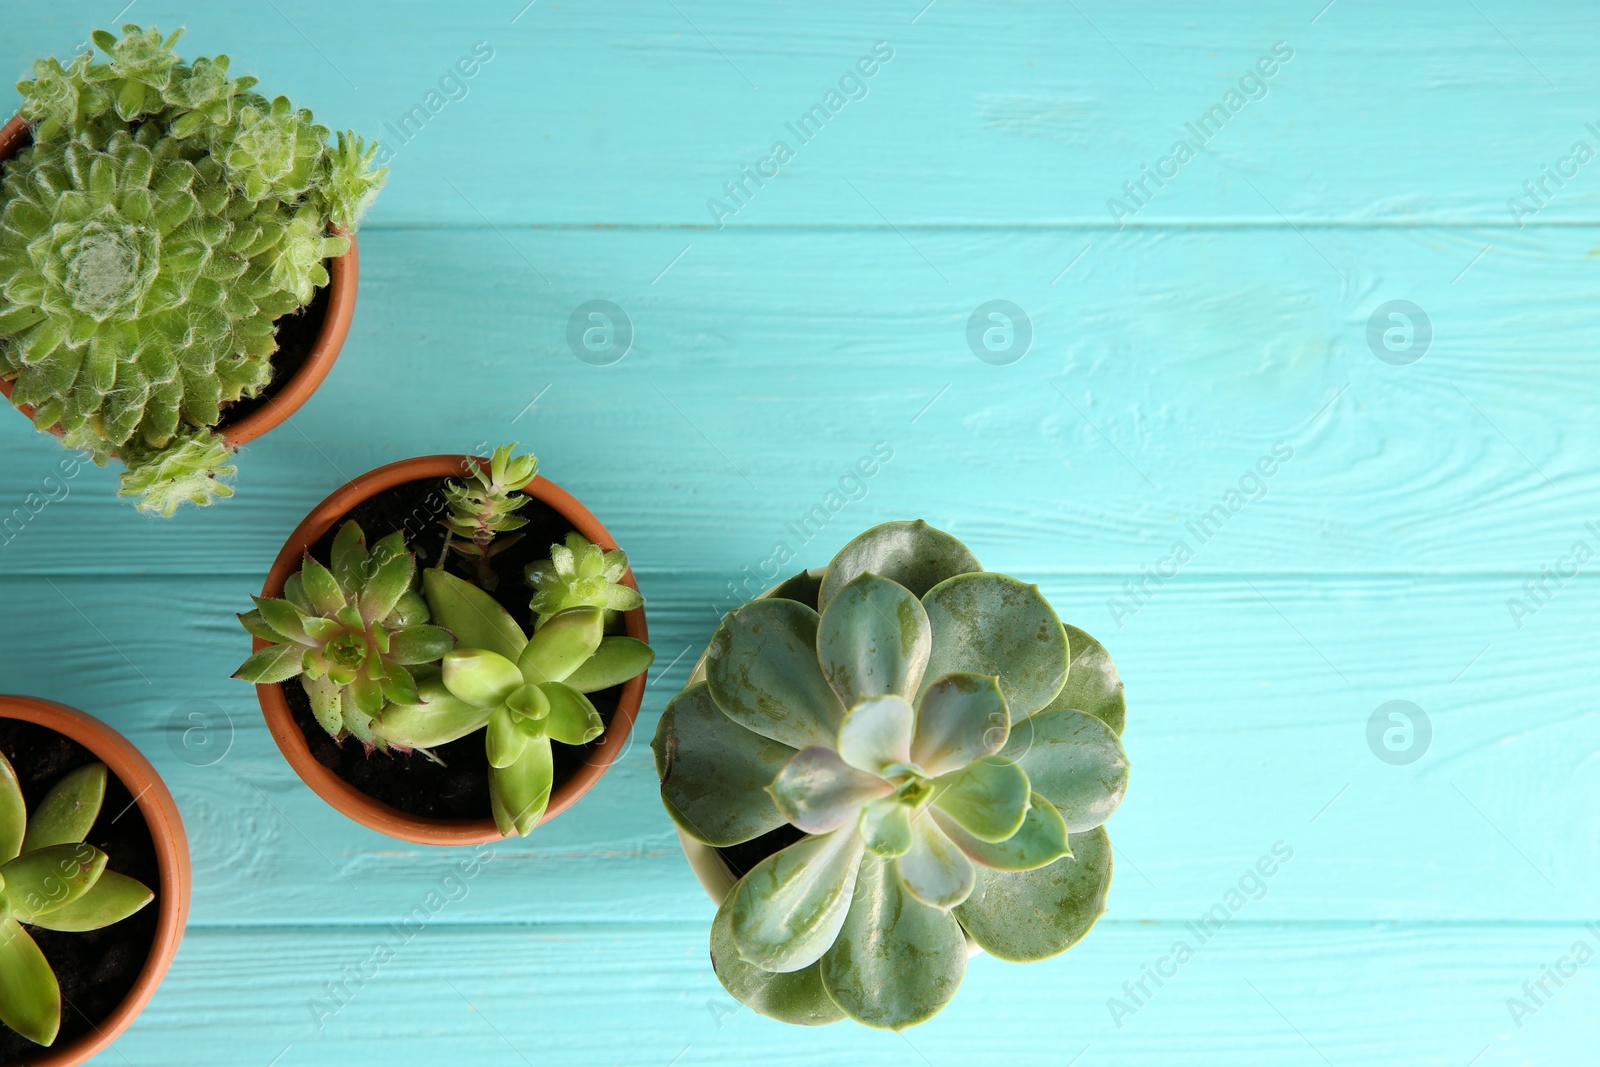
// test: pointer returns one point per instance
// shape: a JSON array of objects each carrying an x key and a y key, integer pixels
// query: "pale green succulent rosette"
[
  {"x": 916, "y": 731},
  {"x": 524, "y": 692}
]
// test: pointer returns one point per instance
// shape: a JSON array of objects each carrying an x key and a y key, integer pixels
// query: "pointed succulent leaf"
[
  {"x": 993, "y": 624},
  {"x": 276, "y": 663},
  {"x": 885, "y": 827},
  {"x": 960, "y": 718},
  {"x": 934, "y": 869},
  {"x": 41, "y": 881},
  {"x": 327, "y": 703},
  {"x": 30, "y": 999},
  {"x": 562, "y": 644},
  {"x": 392, "y": 574},
  {"x": 896, "y": 961},
  {"x": 367, "y": 693},
  {"x": 1041, "y": 839},
  {"x": 1075, "y": 761},
  {"x": 573, "y": 720},
  {"x": 324, "y": 592},
  {"x": 714, "y": 773},
  {"x": 112, "y": 898},
  {"x": 475, "y": 618},
  {"x": 873, "y": 639},
  {"x": 791, "y": 997},
  {"x": 399, "y": 687},
  {"x": 519, "y": 794},
  {"x": 913, "y": 554},
  {"x": 504, "y": 741},
  {"x": 789, "y": 908},
  {"x": 1024, "y": 916},
  {"x": 988, "y": 797},
  {"x": 479, "y": 676},
  {"x": 763, "y": 671},
  {"x": 614, "y": 662},
  {"x": 441, "y": 718},
  {"x": 819, "y": 792},
  {"x": 67, "y": 812},
  {"x": 349, "y": 560},
  {"x": 257, "y": 626},
  {"x": 419, "y": 644},
  {"x": 284, "y": 618},
  {"x": 1092, "y": 685},
  {"x": 13, "y": 812},
  {"x": 529, "y": 701},
  {"x": 876, "y": 734}
]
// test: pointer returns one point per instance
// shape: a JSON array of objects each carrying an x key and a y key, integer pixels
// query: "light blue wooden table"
[{"x": 1179, "y": 336}]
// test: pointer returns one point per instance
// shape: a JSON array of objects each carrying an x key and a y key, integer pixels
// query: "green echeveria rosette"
[
  {"x": 950, "y": 771},
  {"x": 163, "y": 219}
]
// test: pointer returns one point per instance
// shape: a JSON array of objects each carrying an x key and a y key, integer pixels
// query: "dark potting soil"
[
  {"x": 296, "y": 333},
  {"x": 95, "y": 969},
  {"x": 410, "y": 781}
]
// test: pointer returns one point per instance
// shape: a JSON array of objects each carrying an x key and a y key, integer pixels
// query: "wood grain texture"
[{"x": 1174, "y": 347}]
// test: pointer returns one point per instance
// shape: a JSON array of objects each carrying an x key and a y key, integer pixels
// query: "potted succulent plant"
[
  {"x": 882, "y": 766},
  {"x": 468, "y": 696},
  {"x": 177, "y": 260},
  {"x": 95, "y": 889}
]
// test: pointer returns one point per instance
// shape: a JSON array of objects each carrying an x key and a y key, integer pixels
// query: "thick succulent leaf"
[
  {"x": 885, "y": 827},
  {"x": 896, "y": 961},
  {"x": 818, "y": 791},
  {"x": 988, "y": 797},
  {"x": 562, "y": 644},
  {"x": 934, "y": 869},
  {"x": 802, "y": 587},
  {"x": 473, "y": 616},
  {"x": 503, "y": 741},
  {"x": 1024, "y": 916},
  {"x": 873, "y": 639},
  {"x": 1041, "y": 840},
  {"x": 993, "y": 624},
  {"x": 876, "y": 734},
  {"x": 68, "y": 811},
  {"x": 442, "y": 717},
  {"x": 913, "y": 554},
  {"x": 789, "y": 908},
  {"x": 419, "y": 644},
  {"x": 39, "y": 882},
  {"x": 480, "y": 677},
  {"x": 395, "y": 567},
  {"x": 960, "y": 718},
  {"x": 275, "y": 663},
  {"x": 519, "y": 794},
  {"x": 257, "y": 626},
  {"x": 321, "y": 587},
  {"x": 327, "y": 703},
  {"x": 348, "y": 560},
  {"x": 1075, "y": 761},
  {"x": 572, "y": 719},
  {"x": 530, "y": 701},
  {"x": 283, "y": 618},
  {"x": 112, "y": 898},
  {"x": 763, "y": 672},
  {"x": 614, "y": 662},
  {"x": 714, "y": 773},
  {"x": 791, "y": 997},
  {"x": 1092, "y": 684},
  {"x": 30, "y": 999},
  {"x": 13, "y": 812}
]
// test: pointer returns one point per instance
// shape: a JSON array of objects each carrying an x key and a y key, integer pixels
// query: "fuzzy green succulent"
[
  {"x": 580, "y": 574},
  {"x": 52, "y": 879},
  {"x": 485, "y": 506},
  {"x": 916, "y": 718},
  {"x": 523, "y": 692},
  {"x": 350, "y": 632},
  {"x": 163, "y": 219}
]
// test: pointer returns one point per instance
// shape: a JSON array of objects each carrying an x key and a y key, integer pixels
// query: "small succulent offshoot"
[
  {"x": 485, "y": 507},
  {"x": 164, "y": 218},
  {"x": 351, "y": 632},
  {"x": 580, "y": 574},
  {"x": 523, "y": 692},
  {"x": 948, "y": 747},
  {"x": 50, "y": 878}
]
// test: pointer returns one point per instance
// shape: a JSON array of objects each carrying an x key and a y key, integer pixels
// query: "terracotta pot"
[
  {"x": 350, "y": 800},
  {"x": 172, "y": 854},
  {"x": 344, "y": 276}
]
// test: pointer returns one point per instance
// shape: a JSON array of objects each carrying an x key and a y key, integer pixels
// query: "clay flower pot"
[
  {"x": 274, "y": 408},
  {"x": 171, "y": 849},
  {"x": 358, "y": 805}
]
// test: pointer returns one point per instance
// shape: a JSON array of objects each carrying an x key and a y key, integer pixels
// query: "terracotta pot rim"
[
  {"x": 343, "y": 283},
  {"x": 161, "y": 815},
  {"x": 349, "y": 800}
]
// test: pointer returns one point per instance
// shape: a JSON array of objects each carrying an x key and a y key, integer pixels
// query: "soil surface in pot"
[
  {"x": 297, "y": 334},
  {"x": 96, "y": 969},
  {"x": 410, "y": 781}
]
